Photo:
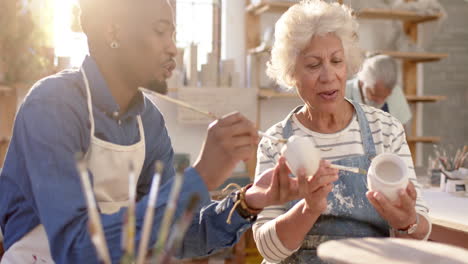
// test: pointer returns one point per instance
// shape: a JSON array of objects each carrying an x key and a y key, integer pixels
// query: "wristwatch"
[{"x": 410, "y": 229}]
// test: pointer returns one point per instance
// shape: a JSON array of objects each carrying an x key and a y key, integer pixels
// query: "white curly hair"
[{"x": 299, "y": 24}]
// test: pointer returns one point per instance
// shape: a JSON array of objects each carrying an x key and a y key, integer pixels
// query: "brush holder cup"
[{"x": 387, "y": 174}]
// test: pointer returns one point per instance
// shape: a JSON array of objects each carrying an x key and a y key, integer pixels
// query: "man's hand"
[{"x": 230, "y": 139}]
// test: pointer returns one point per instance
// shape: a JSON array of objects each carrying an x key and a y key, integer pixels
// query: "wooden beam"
[{"x": 410, "y": 73}]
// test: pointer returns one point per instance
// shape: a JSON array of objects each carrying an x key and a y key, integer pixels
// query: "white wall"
[{"x": 185, "y": 138}]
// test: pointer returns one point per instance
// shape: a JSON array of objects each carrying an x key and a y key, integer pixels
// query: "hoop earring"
[{"x": 114, "y": 45}]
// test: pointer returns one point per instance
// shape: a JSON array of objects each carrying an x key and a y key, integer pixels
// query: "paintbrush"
[
  {"x": 180, "y": 228},
  {"x": 128, "y": 237},
  {"x": 168, "y": 215},
  {"x": 350, "y": 169},
  {"x": 94, "y": 220},
  {"x": 203, "y": 112},
  {"x": 275, "y": 139},
  {"x": 149, "y": 214}
]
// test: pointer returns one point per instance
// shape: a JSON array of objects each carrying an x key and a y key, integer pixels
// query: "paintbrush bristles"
[
  {"x": 149, "y": 214},
  {"x": 168, "y": 216},
  {"x": 180, "y": 228}
]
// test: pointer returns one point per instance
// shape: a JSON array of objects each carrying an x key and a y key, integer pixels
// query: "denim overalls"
[{"x": 349, "y": 213}]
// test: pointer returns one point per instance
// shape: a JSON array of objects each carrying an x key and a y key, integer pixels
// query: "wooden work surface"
[
  {"x": 449, "y": 215},
  {"x": 390, "y": 251}
]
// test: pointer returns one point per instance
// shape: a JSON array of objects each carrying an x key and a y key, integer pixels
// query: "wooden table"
[
  {"x": 449, "y": 215},
  {"x": 390, "y": 251}
]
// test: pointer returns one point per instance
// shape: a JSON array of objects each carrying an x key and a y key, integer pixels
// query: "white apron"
[{"x": 109, "y": 164}]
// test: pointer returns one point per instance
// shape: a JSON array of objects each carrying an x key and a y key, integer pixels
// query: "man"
[
  {"x": 375, "y": 85},
  {"x": 99, "y": 111}
]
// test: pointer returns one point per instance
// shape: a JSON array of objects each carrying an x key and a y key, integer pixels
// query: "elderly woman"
[{"x": 315, "y": 50}]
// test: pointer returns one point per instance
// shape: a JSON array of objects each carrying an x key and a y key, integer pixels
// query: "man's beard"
[{"x": 157, "y": 86}]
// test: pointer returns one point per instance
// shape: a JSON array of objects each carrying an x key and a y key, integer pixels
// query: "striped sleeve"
[
  {"x": 400, "y": 147},
  {"x": 268, "y": 243},
  {"x": 264, "y": 229}
]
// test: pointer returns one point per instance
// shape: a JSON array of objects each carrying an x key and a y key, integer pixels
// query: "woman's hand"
[
  {"x": 399, "y": 214},
  {"x": 273, "y": 187},
  {"x": 316, "y": 189}
]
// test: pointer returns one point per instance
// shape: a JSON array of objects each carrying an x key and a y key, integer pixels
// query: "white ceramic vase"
[
  {"x": 301, "y": 152},
  {"x": 387, "y": 174}
]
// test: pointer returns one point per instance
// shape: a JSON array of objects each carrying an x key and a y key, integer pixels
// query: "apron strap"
[
  {"x": 141, "y": 128},
  {"x": 287, "y": 123},
  {"x": 90, "y": 109},
  {"x": 366, "y": 134},
  {"x": 89, "y": 101}
]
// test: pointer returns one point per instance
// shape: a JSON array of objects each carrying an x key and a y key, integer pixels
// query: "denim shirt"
[{"x": 39, "y": 183}]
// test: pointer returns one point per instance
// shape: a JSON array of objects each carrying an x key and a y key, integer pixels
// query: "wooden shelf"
[
  {"x": 393, "y": 14},
  {"x": 407, "y": 56},
  {"x": 366, "y": 13},
  {"x": 425, "y": 98},
  {"x": 415, "y": 56},
  {"x": 269, "y": 93},
  {"x": 423, "y": 139}
]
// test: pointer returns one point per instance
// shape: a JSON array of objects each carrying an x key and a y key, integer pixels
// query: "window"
[
  {"x": 194, "y": 19},
  {"x": 194, "y": 22}
]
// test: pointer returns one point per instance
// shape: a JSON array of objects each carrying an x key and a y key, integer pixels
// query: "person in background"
[
  {"x": 98, "y": 110},
  {"x": 376, "y": 85},
  {"x": 316, "y": 49}
]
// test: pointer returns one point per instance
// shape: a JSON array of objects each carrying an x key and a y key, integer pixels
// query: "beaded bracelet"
[{"x": 241, "y": 206}]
